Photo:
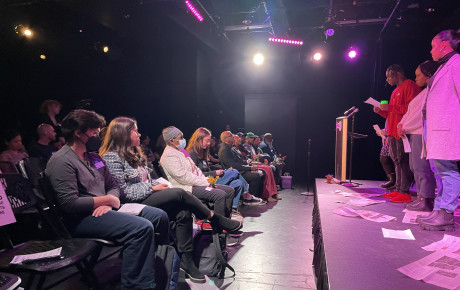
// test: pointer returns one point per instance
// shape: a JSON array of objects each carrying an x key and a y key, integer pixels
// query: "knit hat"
[{"x": 170, "y": 133}]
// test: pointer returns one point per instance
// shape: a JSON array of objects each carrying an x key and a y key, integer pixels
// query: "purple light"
[
  {"x": 286, "y": 41},
  {"x": 330, "y": 32},
  {"x": 193, "y": 10},
  {"x": 352, "y": 54}
]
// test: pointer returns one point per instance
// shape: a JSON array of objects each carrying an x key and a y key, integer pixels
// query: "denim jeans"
[
  {"x": 136, "y": 234},
  {"x": 449, "y": 189},
  {"x": 234, "y": 179}
]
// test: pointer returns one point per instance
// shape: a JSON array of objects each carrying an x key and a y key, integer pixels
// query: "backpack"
[
  {"x": 167, "y": 265},
  {"x": 210, "y": 254}
]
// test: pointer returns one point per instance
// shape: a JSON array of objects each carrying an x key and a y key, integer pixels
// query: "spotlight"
[
  {"x": 352, "y": 53},
  {"x": 42, "y": 56},
  {"x": 329, "y": 32},
  {"x": 286, "y": 41},
  {"x": 258, "y": 59},
  {"x": 105, "y": 49},
  {"x": 193, "y": 10},
  {"x": 317, "y": 56},
  {"x": 27, "y": 32}
]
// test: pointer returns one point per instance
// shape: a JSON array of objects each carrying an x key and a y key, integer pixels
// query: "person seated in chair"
[
  {"x": 88, "y": 196},
  {"x": 128, "y": 165},
  {"x": 43, "y": 148}
]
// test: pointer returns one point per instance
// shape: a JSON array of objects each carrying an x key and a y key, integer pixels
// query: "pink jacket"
[{"x": 443, "y": 113}]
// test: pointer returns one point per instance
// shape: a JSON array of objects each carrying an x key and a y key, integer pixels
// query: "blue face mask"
[{"x": 182, "y": 144}]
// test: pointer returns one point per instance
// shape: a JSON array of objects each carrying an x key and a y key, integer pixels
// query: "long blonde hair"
[
  {"x": 118, "y": 139},
  {"x": 195, "y": 143}
]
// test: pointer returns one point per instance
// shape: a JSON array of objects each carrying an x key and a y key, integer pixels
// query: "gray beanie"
[{"x": 170, "y": 133}]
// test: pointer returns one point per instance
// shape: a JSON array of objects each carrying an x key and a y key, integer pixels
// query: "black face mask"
[{"x": 93, "y": 144}]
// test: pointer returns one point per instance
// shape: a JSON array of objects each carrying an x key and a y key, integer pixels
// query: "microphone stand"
[{"x": 307, "y": 193}]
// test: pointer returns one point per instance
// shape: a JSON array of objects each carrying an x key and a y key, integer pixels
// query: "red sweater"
[{"x": 400, "y": 99}]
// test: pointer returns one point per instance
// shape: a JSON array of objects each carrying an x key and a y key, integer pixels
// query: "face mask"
[
  {"x": 93, "y": 144},
  {"x": 182, "y": 144}
]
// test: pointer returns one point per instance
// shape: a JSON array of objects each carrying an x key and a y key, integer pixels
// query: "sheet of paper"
[
  {"x": 365, "y": 214},
  {"x": 164, "y": 181},
  {"x": 448, "y": 243},
  {"x": 132, "y": 208},
  {"x": 6, "y": 213},
  {"x": 373, "y": 102},
  {"x": 439, "y": 268},
  {"x": 364, "y": 201},
  {"x": 406, "y": 144},
  {"x": 378, "y": 130},
  {"x": 37, "y": 256},
  {"x": 410, "y": 216},
  {"x": 398, "y": 234}
]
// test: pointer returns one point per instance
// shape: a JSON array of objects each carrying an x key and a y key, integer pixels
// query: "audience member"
[
  {"x": 15, "y": 151},
  {"x": 49, "y": 110},
  {"x": 183, "y": 173},
  {"x": 128, "y": 165},
  {"x": 89, "y": 196},
  {"x": 401, "y": 96},
  {"x": 248, "y": 144},
  {"x": 441, "y": 132},
  {"x": 43, "y": 148},
  {"x": 229, "y": 159},
  {"x": 214, "y": 151},
  {"x": 198, "y": 149},
  {"x": 411, "y": 126}
]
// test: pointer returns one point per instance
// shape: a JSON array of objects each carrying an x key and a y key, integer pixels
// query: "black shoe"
[
  {"x": 391, "y": 181},
  {"x": 422, "y": 204},
  {"x": 188, "y": 266},
  {"x": 220, "y": 223},
  {"x": 442, "y": 221}
]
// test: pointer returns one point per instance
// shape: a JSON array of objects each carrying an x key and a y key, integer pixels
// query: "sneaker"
[
  {"x": 236, "y": 216},
  {"x": 231, "y": 241},
  {"x": 401, "y": 198},
  {"x": 391, "y": 195},
  {"x": 253, "y": 201},
  {"x": 236, "y": 234}
]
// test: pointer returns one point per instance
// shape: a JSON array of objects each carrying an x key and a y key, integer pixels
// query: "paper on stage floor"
[
  {"x": 364, "y": 201},
  {"x": 448, "y": 243},
  {"x": 398, "y": 234},
  {"x": 343, "y": 193},
  {"x": 439, "y": 268},
  {"x": 410, "y": 216},
  {"x": 373, "y": 102},
  {"x": 365, "y": 214}
]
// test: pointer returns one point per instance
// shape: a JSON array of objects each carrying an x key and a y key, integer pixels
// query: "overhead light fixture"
[
  {"x": 42, "y": 56},
  {"x": 21, "y": 30},
  {"x": 105, "y": 49},
  {"x": 285, "y": 41},
  {"x": 317, "y": 56},
  {"x": 258, "y": 59},
  {"x": 352, "y": 53},
  {"x": 329, "y": 32},
  {"x": 194, "y": 11}
]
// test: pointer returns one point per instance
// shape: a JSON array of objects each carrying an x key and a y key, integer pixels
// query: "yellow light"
[
  {"x": 42, "y": 56},
  {"x": 105, "y": 49},
  {"x": 258, "y": 59},
  {"x": 27, "y": 32}
]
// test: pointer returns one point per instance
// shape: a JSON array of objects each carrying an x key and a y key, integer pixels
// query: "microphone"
[
  {"x": 354, "y": 112},
  {"x": 349, "y": 110}
]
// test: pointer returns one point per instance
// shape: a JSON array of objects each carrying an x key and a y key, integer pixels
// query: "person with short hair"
[
  {"x": 43, "y": 148},
  {"x": 88, "y": 196},
  {"x": 402, "y": 95}
]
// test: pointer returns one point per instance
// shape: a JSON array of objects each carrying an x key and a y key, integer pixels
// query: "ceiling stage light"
[
  {"x": 258, "y": 59},
  {"x": 352, "y": 53},
  {"x": 42, "y": 56},
  {"x": 317, "y": 56},
  {"x": 194, "y": 11},
  {"x": 329, "y": 32},
  {"x": 105, "y": 49},
  {"x": 285, "y": 41},
  {"x": 27, "y": 32}
]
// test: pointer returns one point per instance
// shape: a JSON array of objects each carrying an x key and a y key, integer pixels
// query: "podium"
[{"x": 341, "y": 142}]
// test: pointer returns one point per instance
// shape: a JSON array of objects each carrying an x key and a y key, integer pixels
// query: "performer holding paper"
[{"x": 405, "y": 91}]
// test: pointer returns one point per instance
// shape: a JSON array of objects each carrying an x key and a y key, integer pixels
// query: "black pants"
[
  {"x": 387, "y": 164},
  {"x": 256, "y": 182},
  {"x": 179, "y": 205},
  {"x": 221, "y": 196},
  {"x": 400, "y": 158}
]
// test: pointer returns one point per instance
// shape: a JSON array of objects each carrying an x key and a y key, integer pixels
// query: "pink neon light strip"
[
  {"x": 286, "y": 41},
  {"x": 194, "y": 11}
]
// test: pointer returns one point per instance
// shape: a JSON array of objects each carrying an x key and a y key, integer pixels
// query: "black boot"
[
  {"x": 188, "y": 266},
  {"x": 422, "y": 204},
  {"x": 441, "y": 221},
  {"x": 421, "y": 218},
  {"x": 220, "y": 223},
  {"x": 391, "y": 181}
]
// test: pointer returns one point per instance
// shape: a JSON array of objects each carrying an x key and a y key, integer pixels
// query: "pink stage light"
[
  {"x": 194, "y": 11},
  {"x": 286, "y": 41}
]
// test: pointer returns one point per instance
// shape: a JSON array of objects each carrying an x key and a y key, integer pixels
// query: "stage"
[{"x": 351, "y": 252}]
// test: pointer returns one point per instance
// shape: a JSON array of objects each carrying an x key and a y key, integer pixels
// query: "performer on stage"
[
  {"x": 405, "y": 91},
  {"x": 441, "y": 130}
]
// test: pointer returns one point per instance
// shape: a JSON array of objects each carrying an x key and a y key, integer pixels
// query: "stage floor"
[{"x": 356, "y": 254}]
